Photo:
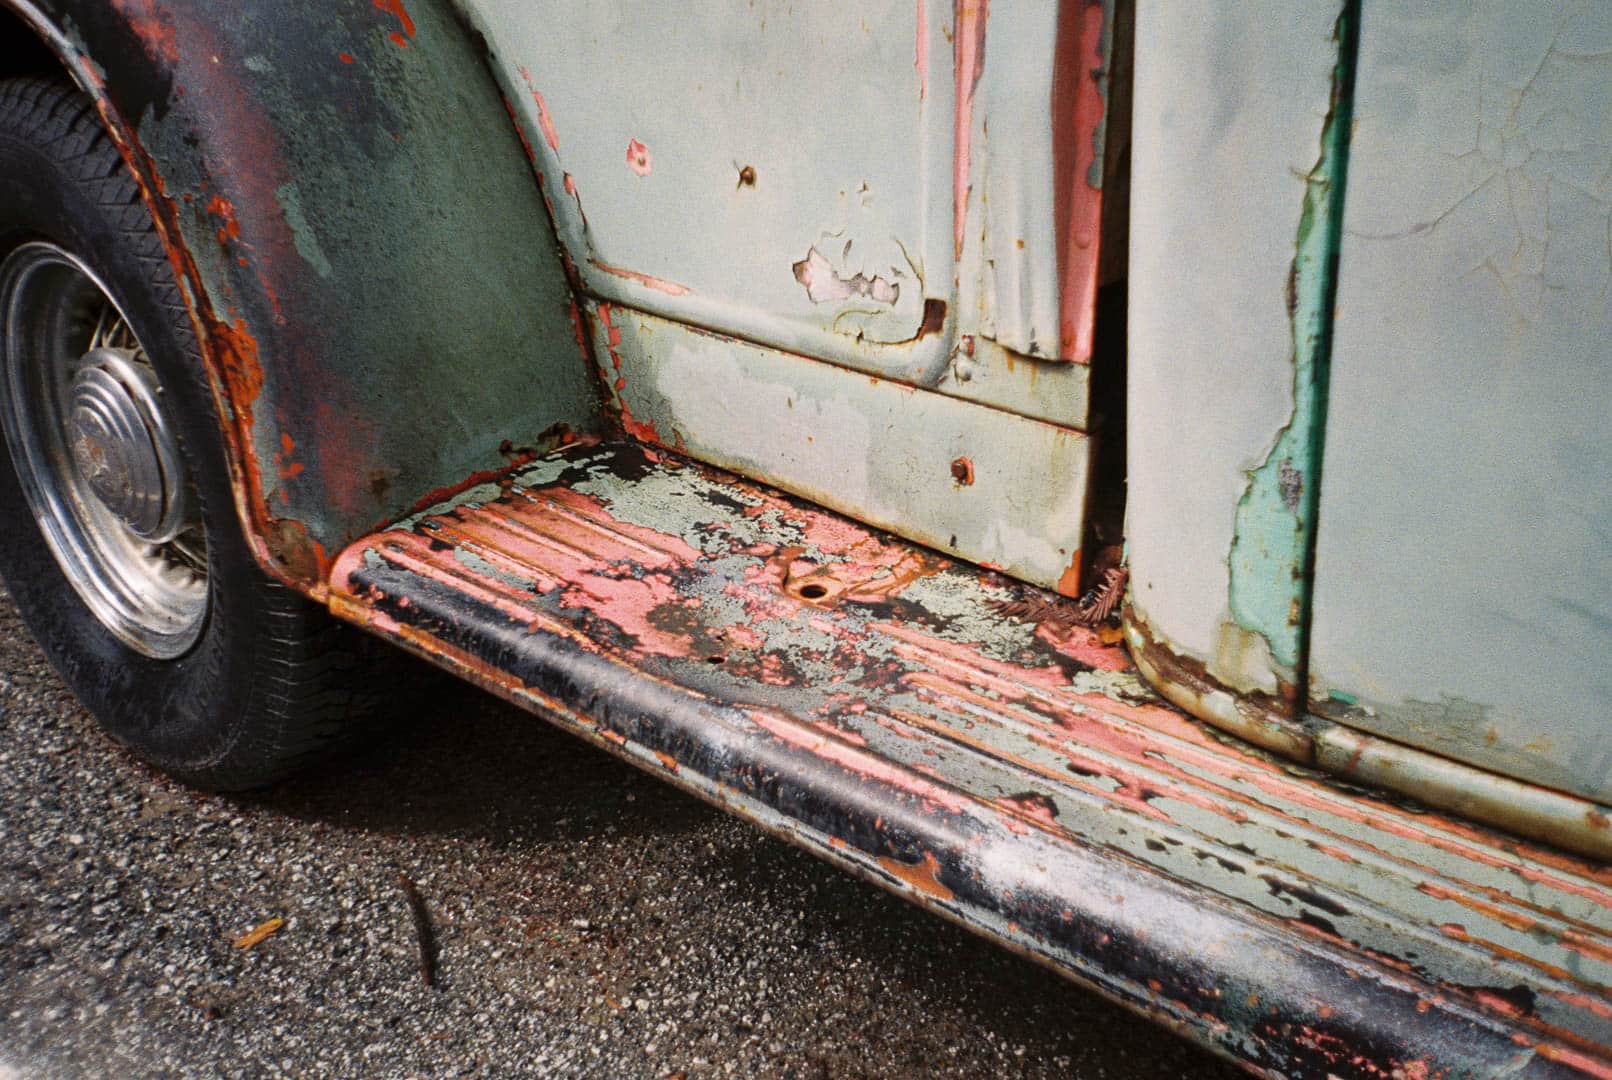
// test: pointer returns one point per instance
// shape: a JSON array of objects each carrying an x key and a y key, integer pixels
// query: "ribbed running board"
[{"x": 940, "y": 730}]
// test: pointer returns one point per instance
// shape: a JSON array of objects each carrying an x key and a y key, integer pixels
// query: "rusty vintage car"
[{"x": 1131, "y": 480}]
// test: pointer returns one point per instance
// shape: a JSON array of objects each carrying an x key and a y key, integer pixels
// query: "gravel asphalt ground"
[{"x": 589, "y": 920}]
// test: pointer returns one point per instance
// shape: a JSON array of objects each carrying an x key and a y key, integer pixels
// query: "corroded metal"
[
  {"x": 869, "y": 700},
  {"x": 861, "y": 186},
  {"x": 329, "y": 184},
  {"x": 875, "y": 448},
  {"x": 1568, "y": 821},
  {"x": 1232, "y": 165}
]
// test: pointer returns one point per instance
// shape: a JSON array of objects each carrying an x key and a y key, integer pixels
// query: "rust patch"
[
  {"x": 1078, "y": 105},
  {"x": 638, "y": 429},
  {"x": 934, "y": 319},
  {"x": 1069, "y": 580},
  {"x": 285, "y": 466},
  {"x": 923, "y": 876},
  {"x": 231, "y": 229},
  {"x": 963, "y": 472},
  {"x": 824, "y": 284},
  {"x": 298, "y": 553},
  {"x": 551, "y": 135},
  {"x": 150, "y": 24},
  {"x": 747, "y": 177},
  {"x": 968, "y": 58},
  {"x": 638, "y": 159},
  {"x": 395, "y": 8},
  {"x": 920, "y": 52}
]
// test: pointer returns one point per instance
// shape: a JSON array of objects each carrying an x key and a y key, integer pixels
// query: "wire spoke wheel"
[{"x": 96, "y": 453}]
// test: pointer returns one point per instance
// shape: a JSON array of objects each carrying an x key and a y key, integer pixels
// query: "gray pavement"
[{"x": 589, "y": 921}]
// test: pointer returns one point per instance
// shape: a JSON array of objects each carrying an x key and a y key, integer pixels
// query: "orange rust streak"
[
  {"x": 968, "y": 48},
  {"x": 1586, "y": 946},
  {"x": 1077, "y": 110},
  {"x": 924, "y": 876},
  {"x": 920, "y": 55},
  {"x": 152, "y": 27},
  {"x": 576, "y": 319},
  {"x": 233, "y": 366},
  {"x": 1582, "y": 1062},
  {"x": 544, "y": 120},
  {"x": 1069, "y": 580},
  {"x": 526, "y": 144},
  {"x": 1599, "y": 1006},
  {"x": 1513, "y": 919},
  {"x": 221, "y": 207},
  {"x": 287, "y": 468},
  {"x": 670, "y": 288},
  {"x": 566, "y": 539},
  {"x": 395, "y": 7},
  {"x": 440, "y": 495}
]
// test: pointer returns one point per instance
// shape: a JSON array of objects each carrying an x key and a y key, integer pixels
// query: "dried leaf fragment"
[{"x": 259, "y": 933}]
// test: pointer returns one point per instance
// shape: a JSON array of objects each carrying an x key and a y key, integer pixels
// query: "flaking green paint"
[
  {"x": 1274, "y": 538},
  {"x": 302, "y": 233}
]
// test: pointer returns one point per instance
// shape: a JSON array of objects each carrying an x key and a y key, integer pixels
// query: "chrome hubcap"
[
  {"x": 96, "y": 454},
  {"x": 121, "y": 447}
]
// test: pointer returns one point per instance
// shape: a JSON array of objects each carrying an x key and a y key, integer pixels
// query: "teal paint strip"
[{"x": 1273, "y": 546}]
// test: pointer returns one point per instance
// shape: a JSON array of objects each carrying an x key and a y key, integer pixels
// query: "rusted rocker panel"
[{"x": 948, "y": 734}]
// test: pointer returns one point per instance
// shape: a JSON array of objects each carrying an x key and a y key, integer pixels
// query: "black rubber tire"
[{"x": 274, "y": 682}]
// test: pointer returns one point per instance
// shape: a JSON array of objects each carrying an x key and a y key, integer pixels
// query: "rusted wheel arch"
[{"x": 326, "y": 188}]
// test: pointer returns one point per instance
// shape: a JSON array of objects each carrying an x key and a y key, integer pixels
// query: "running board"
[{"x": 950, "y": 735}]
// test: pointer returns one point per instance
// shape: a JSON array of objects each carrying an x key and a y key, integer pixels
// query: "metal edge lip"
[{"x": 1569, "y": 822}]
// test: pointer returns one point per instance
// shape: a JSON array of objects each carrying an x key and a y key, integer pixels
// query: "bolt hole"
[
  {"x": 813, "y": 591},
  {"x": 715, "y": 659}
]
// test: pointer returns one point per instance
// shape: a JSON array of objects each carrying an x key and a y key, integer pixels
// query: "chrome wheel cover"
[{"x": 96, "y": 453}]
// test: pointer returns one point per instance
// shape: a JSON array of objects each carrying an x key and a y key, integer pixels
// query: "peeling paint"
[
  {"x": 826, "y": 285},
  {"x": 1274, "y": 540},
  {"x": 1079, "y": 112},
  {"x": 545, "y": 121},
  {"x": 302, "y": 233},
  {"x": 638, "y": 158},
  {"x": 974, "y": 765},
  {"x": 968, "y": 48}
]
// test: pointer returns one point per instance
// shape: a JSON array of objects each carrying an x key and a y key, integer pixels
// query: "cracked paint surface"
[
  {"x": 1481, "y": 170},
  {"x": 862, "y": 697}
]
